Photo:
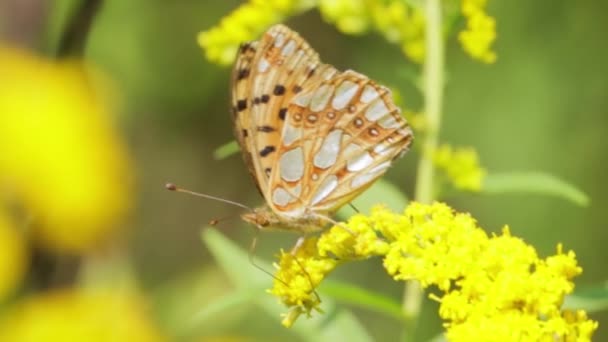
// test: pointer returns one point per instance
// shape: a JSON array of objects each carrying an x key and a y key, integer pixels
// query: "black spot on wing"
[
  {"x": 282, "y": 113},
  {"x": 266, "y": 129},
  {"x": 241, "y": 105},
  {"x": 279, "y": 90},
  {"x": 267, "y": 150},
  {"x": 242, "y": 74}
]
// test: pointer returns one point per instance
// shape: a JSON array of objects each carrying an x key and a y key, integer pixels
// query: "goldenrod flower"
[
  {"x": 480, "y": 32},
  {"x": 400, "y": 22},
  {"x": 488, "y": 284},
  {"x": 61, "y": 155},
  {"x": 349, "y": 16},
  {"x": 13, "y": 257},
  {"x": 461, "y": 166},
  {"x": 245, "y": 23},
  {"x": 299, "y": 273},
  {"x": 73, "y": 315}
]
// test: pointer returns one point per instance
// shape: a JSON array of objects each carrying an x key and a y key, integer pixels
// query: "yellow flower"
[
  {"x": 13, "y": 257},
  {"x": 461, "y": 166},
  {"x": 349, "y": 16},
  {"x": 245, "y": 23},
  {"x": 71, "y": 315},
  {"x": 488, "y": 284},
  {"x": 480, "y": 32},
  {"x": 60, "y": 153},
  {"x": 299, "y": 273}
]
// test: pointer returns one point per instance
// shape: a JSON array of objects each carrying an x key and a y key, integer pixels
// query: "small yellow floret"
[{"x": 461, "y": 166}]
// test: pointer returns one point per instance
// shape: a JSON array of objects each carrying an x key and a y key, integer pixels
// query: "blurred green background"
[{"x": 542, "y": 106}]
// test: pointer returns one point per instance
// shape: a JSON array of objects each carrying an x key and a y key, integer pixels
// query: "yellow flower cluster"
[
  {"x": 480, "y": 32},
  {"x": 61, "y": 158},
  {"x": 489, "y": 284},
  {"x": 246, "y": 23},
  {"x": 400, "y": 22},
  {"x": 72, "y": 315},
  {"x": 349, "y": 16},
  {"x": 461, "y": 166},
  {"x": 299, "y": 273}
]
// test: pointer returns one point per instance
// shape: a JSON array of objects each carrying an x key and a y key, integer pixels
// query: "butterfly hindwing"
[{"x": 338, "y": 138}]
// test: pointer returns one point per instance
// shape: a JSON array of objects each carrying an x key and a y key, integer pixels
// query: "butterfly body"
[{"x": 312, "y": 137}]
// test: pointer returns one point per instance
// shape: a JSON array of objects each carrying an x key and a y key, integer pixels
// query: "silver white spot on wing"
[
  {"x": 329, "y": 184},
  {"x": 320, "y": 98},
  {"x": 290, "y": 134},
  {"x": 376, "y": 110},
  {"x": 263, "y": 65},
  {"x": 369, "y": 94},
  {"x": 279, "y": 40},
  {"x": 328, "y": 153},
  {"x": 303, "y": 99},
  {"x": 389, "y": 121},
  {"x": 344, "y": 94},
  {"x": 289, "y": 48},
  {"x": 370, "y": 175},
  {"x": 292, "y": 165},
  {"x": 381, "y": 149},
  {"x": 358, "y": 158},
  {"x": 281, "y": 197}
]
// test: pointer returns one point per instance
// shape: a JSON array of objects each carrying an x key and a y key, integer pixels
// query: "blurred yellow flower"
[
  {"x": 73, "y": 315},
  {"x": 349, "y": 16},
  {"x": 461, "y": 166},
  {"x": 60, "y": 154},
  {"x": 439, "y": 247},
  {"x": 246, "y": 23},
  {"x": 400, "y": 22},
  {"x": 480, "y": 32},
  {"x": 13, "y": 257}
]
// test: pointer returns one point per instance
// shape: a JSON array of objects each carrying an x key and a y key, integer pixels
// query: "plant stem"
[
  {"x": 433, "y": 97},
  {"x": 433, "y": 71}
]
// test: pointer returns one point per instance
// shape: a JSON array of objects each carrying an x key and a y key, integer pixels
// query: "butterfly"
[{"x": 312, "y": 137}]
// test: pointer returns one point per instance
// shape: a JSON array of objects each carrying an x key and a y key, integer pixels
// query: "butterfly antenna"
[
  {"x": 254, "y": 243},
  {"x": 173, "y": 187},
  {"x": 214, "y": 222}
]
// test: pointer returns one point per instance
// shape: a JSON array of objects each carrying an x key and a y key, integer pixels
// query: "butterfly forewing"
[{"x": 313, "y": 137}]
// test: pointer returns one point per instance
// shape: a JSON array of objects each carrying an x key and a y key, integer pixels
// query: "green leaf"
[
  {"x": 361, "y": 297},
  {"x": 591, "y": 299},
  {"x": 211, "y": 310},
  {"x": 226, "y": 150},
  {"x": 533, "y": 182},
  {"x": 381, "y": 192},
  {"x": 340, "y": 324}
]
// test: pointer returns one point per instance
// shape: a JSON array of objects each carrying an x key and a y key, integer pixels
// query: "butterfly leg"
[
  {"x": 298, "y": 245},
  {"x": 335, "y": 223}
]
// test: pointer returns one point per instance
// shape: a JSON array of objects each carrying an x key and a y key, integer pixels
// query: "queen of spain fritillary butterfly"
[{"x": 312, "y": 137}]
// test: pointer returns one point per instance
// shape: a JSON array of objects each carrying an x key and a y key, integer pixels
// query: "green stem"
[{"x": 433, "y": 82}]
